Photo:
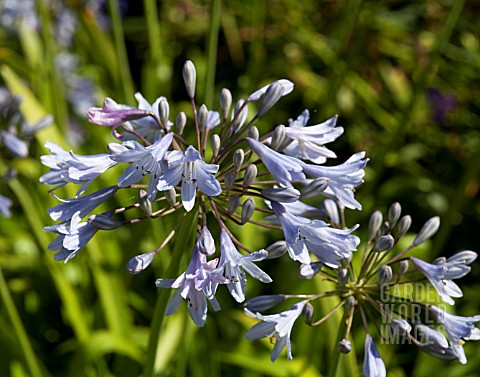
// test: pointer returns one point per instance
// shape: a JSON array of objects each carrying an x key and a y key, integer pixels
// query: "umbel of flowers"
[{"x": 227, "y": 175}]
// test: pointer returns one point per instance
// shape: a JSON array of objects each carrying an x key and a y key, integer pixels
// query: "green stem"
[{"x": 33, "y": 365}]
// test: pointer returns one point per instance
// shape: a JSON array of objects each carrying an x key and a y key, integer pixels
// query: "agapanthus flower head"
[{"x": 228, "y": 173}]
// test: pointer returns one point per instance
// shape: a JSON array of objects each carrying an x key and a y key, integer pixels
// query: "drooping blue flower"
[
  {"x": 193, "y": 172},
  {"x": 195, "y": 285},
  {"x": 440, "y": 276},
  {"x": 329, "y": 245},
  {"x": 308, "y": 142},
  {"x": 72, "y": 237},
  {"x": 373, "y": 365},
  {"x": 434, "y": 343},
  {"x": 145, "y": 161},
  {"x": 284, "y": 169},
  {"x": 81, "y": 205},
  {"x": 279, "y": 325},
  {"x": 458, "y": 329},
  {"x": 342, "y": 179},
  {"x": 233, "y": 264},
  {"x": 67, "y": 167}
]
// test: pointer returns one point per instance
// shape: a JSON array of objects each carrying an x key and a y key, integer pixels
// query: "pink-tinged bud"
[{"x": 111, "y": 115}]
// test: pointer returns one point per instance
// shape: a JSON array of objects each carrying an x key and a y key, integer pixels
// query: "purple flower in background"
[
  {"x": 441, "y": 104},
  {"x": 5, "y": 204}
]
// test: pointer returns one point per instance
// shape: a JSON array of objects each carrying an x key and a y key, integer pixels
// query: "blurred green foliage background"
[{"x": 404, "y": 78}]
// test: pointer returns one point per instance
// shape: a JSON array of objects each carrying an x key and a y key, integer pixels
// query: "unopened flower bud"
[
  {"x": 190, "y": 78},
  {"x": 180, "y": 122},
  {"x": 206, "y": 243},
  {"x": 202, "y": 117},
  {"x": 229, "y": 180},
  {"x": 104, "y": 222},
  {"x": 270, "y": 98},
  {"x": 400, "y": 326},
  {"x": 384, "y": 275},
  {"x": 238, "y": 157},
  {"x": 233, "y": 204},
  {"x": 314, "y": 187},
  {"x": 402, "y": 267},
  {"x": 440, "y": 260},
  {"x": 394, "y": 214},
  {"x": 350, "y": 303},
  {"x": 144, "y": 203},
  {"x": 428, "y": 230},
  {"x": 253, "y": 133},
  {"x": 403, "y": 226},
  {"x": 114, "y": 148},
  {"x": 384, "y": 229},
  {"x": 171, "y": 196},
  {"x": 344, "y": 346},
  {"x": 265, "y": 302},
  {"x": 278, "y": 137},
  {"x": 384, "y": 243},
  {"x": 331, "y": 208},
  {"x": 308, "y": 271},
  {"x": 375, "y": 224},
  {"x": 281, "y": 194},
  {"x": 342, "y": 276},
  {"x": 250, "y": 175},
  {"x": 277, "y": 249},
  {"x": 308, "y": 313},
  {"x": 164, "y": 112},
  {"x": 140, "y": 262},
  {"x": 239, "y": 118},
  {"x": 225, "y": 102},
  {"x": 431, "y": 337},
  {"x": 248, "y": 209},
  {"x": 215, "y": 143}
]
